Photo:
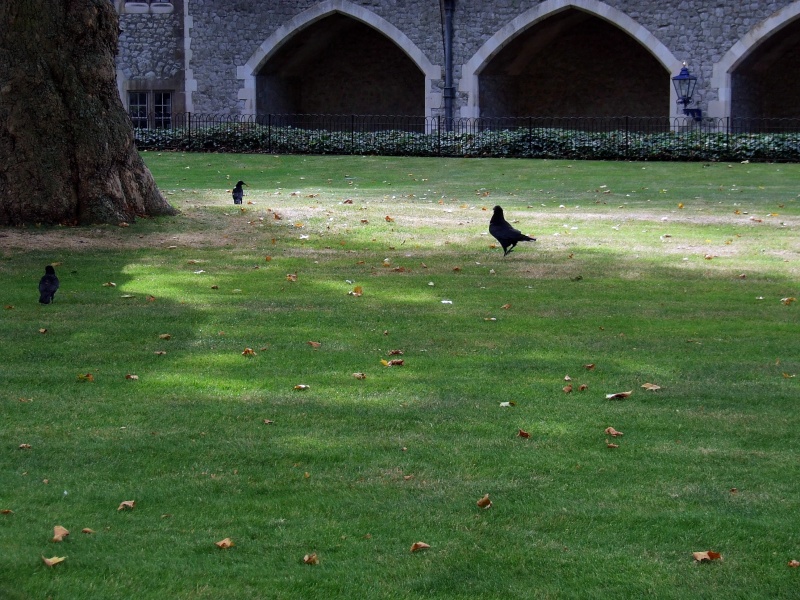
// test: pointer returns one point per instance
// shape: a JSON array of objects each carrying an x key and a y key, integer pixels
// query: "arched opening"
[
  {"x": 339, "y": 65},
  {"x": 764, "y": 84},
  {"x": 574, "y": 64}
]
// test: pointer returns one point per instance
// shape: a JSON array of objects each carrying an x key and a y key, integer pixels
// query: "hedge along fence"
[{"x": 623, "y": 138}]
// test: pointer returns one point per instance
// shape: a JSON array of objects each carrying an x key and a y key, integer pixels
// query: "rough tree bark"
[{"x": 67, "y": 153}]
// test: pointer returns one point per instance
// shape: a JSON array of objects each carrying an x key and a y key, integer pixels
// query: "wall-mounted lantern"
[{"x": 685, "y": 83}]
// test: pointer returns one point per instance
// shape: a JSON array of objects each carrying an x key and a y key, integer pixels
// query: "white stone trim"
[
  {"x": 247, "y": 72},
  {"x": 189, "y": 82},
  {"x": 472, "y": 68},
  {"x": 721, "y": 74}
]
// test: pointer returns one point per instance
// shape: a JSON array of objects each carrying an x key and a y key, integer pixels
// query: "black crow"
[
  {"x": 505, "y": 233},
  {"x": 238, "y": 193},
  {"x": 48, "y": 285}
]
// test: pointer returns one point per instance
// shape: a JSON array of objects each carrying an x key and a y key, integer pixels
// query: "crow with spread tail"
[
  {"x": 237, "y": 192},
  {"x": 48, "y": 285},
  {"x": 504, "y": 233}
]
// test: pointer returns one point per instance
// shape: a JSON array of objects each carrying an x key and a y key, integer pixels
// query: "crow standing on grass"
[
  {"x": 504, "y": 233},
  {"x": 238, "y": 193},
  {"x": 48, "y": 285}
]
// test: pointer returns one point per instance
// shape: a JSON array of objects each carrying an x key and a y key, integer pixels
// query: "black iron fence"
[{"x": 609, "y": 138}]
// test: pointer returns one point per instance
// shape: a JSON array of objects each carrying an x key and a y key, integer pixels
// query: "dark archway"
[
  {"x": 574, "y": 64},
  {"x": 765, "y": 84},
  {"x": 339, "y": 65}
]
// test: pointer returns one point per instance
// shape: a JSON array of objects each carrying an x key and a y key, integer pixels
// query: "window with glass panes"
[
  {"x": 137, "y": 108},
  {"x": 141, "y": 105},
  {"x": 162, "y": 109}
]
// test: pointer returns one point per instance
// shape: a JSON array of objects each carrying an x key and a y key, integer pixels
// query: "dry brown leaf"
[
  {"x": 301, "y": 386},
  {"x": 613, "y": 432},
  {"x": 109, "y": 284},
  {"x": 589, "y": 367},
  {"x": 150, "y": 298},
  {"x": 248, "y": 352},
  {"x": 395, "y": 362},
  {"x": 788, "y": 301},
  {"x": 86, "y": 377},
  {"x": 53, "y": 560},
  {"x": 291, "y": 277},
  {"x": 314, "y": 345},
  {"x": 43, "y": 330},
  {"x": 160, "y": 352},
  {"x": 506, "y": 306},
  {"x": 356, "y": 291},
  {"x": 6, "y": 511},
  {"x": 87, "y": 530},
  {"x": 416, "y": 546},
  {"x": 389, "y": 219},
  {"x": 583, "y": 387},
  {"x": 484, "y": 502},
  {"x": 610, "y": 445},
  {"x": 269, "y": 422},
  {"x": 360, "y": 375},
  {"x": 395, "y": 353},
  {"x": 24, "y": 446},
  {"x": 130, "y": 376},
  {"x": 706, "y": 556},
  {"x": 651, "y": 387},
  {"x": 165, "y": 336},
  {"x": 794, "y": 563},
  {"x": 567, "y": 378},
  {"x": 523, "y": 434},
  {"x": 59, "y": 533},
  {"x": 126, "y": 505},
  {"x": 311, "y": 559},
  {"x": 618, "y": 395},
  {"x": 567, "y": 388},
  {"x": 226, "y": 543}
]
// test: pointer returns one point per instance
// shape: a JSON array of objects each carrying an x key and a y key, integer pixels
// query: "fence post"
[
  {"x": 269, "y": 133},
  {"x": 627, "y": 137},
  {"x": 189, "y": 125},
  {"x": 439, "y": 134}
]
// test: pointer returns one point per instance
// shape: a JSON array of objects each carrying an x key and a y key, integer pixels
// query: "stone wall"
[{"x": 235, "y": 52}]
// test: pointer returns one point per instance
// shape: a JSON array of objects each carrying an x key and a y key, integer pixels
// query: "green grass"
[{"x": 664, "y": 273}]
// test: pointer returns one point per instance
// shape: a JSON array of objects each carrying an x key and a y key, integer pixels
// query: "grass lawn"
[{"x": 678, "y": 275}]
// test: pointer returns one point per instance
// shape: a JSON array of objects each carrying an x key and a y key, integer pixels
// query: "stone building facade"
[{"x": 462, "y": 58}]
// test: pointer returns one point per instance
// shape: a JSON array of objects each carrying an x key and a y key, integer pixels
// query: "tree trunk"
[{"x": 67, "y": 153}]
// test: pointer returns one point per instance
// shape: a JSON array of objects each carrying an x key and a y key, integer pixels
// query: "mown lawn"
[{"x": 678, "y": 275}]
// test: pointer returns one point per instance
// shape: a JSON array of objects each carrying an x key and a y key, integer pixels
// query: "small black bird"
[
  {"x": 48, "y": 285},
  {"x": 505, "y": 233},
  {"x": 238, "y": 193}
]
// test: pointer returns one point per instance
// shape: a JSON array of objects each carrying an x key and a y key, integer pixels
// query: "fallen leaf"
[
  {"x": 24, "y": 446},
  {"x": 126, "y": 505},
  {"x": 301, "y": 387},
  {"x": 43, "y": 330},
  {"x": 59, "y": 533},
  {"x": 269, "y": 422},
  {"x": 160, "y": 352},
  {"x": 311, "y": 559},
  {"x": 127, "y": 296},
  {"x": 794, "y": 563},
  {"x": 87, "y": 530},
  {"x": 788, "y": 301},
  {"x": 109, "y": 284},
  {"x": 610, "y": 445},
  {"x": 589, "y": 367},
  {"x": 706, "y": 556},
  {"x": 419, "y": 546},
  {"x": 226, "y": 543},
  {"x": 612, "y": 432},
  {"x": 523, "y": 434},
  {"x": 567, "y": 378},
  {"x": 86, "y": 377},
  {"x": 567, "y": 388},
  {"x": 507, "y": 404},
  {"x": 54, "y": 560},
  {"x": 506, "y": 306},
  {"x": 360, "y": 375},
  {"x": 6, "y": 511},
  {"x": 150, "y": 298},
  {"x": 315, "y": 345},
  {"x": 165, "y": 336},
  {"x": 484, "y": 502},
  {"x": 583, "y": 387},
  {"x": 618, "y": 395},
  {"x": 389, "y": 219},
  {"x": 651, "y": 386},
  {"x": 395, "y": 353},
  {"x": 356, "y": 291},
  {"x": 248, "y": 352},
  {"x": 395, "y": 362},
  {"x": 291, "y": 277}
]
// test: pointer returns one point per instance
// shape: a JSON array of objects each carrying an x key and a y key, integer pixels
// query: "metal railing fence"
[{"x": 611, "y": 138}]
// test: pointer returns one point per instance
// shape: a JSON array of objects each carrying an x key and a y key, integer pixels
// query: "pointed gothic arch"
[
  {"x": 247, "y": 72},
  {"x": 469, "y": 84},
  {"x": 723, "y": 70}
]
